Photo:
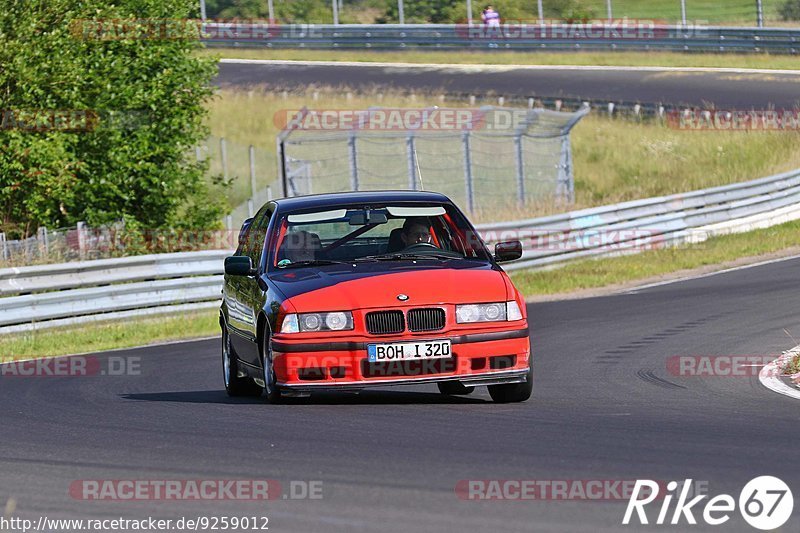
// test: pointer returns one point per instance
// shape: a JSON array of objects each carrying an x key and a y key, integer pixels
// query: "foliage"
[
  {"x": 790, "y": 10},
  {"x": 143, "y": 105}
]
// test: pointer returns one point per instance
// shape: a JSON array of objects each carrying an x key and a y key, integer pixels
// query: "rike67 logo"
[{"x": 765, "y": 503}]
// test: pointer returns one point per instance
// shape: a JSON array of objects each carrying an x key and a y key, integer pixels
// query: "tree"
[
  {"x": 141, "y": 93},
  {"x": 790, "y": 10}
]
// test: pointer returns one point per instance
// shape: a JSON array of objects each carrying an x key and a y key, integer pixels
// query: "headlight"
[
  {"x": 491, "y": 312},
  {"x": 303, "y": 322}
]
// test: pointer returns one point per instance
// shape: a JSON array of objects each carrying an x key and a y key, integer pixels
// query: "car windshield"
[{"x": 374, "y": 233}]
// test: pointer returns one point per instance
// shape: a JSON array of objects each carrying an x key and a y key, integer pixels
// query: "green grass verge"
[
  {"x": 598, "y": 273},
  {"x": 632, "y": 59},
  {"x": 108, "y": 335}
]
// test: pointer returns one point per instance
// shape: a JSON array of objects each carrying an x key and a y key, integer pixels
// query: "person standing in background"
[{"x": 490, "y": 17}]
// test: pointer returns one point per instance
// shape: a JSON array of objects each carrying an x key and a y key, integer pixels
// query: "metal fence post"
[
  {"x": 223, "y": 149},
  {"x": 81, "y": 239},
  {"x": 541, "y": 12},
  {"x": 683, "y": 13},
  {"x": 250, "y": 211},
  {"x": 468, "y": 172},
  {"x": 282, "y": 168},
  {"x": 351, "y": 145},
  {"x": 565, "y": 187},
  {"x": 759, "y": 13},
  {"x": 469, "y": 12},
  {"x": 46, "y": 238},
  {"x": 40, "y": 241},
  {"x": 401, "y": 12},
  {"x": 253, "y": 186},
  {"x": 229, "y": 237},
  {"x": 335, "y": 11},
  {"x": 412, "y": 163},
  {"x": 4, "y": 245},
  {"x": 520, "y": 170},
  {"x": 610, "y": 13}
]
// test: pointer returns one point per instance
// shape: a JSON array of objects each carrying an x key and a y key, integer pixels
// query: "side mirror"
[
  {"x": 239, "y": 265},
  {"x": 507, "y": 251}
]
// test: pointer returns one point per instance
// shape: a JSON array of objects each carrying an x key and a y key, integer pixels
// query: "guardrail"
[
  {"x": 72, "y": 293},
  {"x": 512, "y": 36},
  {"x": 46, "y": 296},
  {"x": 651, "y": 223}
]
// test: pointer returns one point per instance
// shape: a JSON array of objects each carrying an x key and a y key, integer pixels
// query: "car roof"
[{"x": 360, "y": 197}]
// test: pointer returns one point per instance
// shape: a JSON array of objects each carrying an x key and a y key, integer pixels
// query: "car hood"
[{"x": 377, "y": 285}]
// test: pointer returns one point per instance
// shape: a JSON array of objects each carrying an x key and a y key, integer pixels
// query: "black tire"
[
  {"x": 514, "y": 392},
  {"x": 235, "y": 385},
  {"x": 454, "y": 388},
  {"x": 273, "y": 392}
]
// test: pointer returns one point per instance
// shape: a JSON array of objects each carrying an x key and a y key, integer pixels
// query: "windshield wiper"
[
  {"x": 399, "y": 256},
  {"x": 313, "y": 262}
]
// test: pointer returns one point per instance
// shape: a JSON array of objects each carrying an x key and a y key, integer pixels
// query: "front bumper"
[{"x": 479, "y": 358}]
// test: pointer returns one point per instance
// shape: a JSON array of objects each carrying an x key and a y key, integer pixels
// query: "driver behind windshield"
[
  {"x": 415, "y": 231},
  {"x": 302, "y": 246}
]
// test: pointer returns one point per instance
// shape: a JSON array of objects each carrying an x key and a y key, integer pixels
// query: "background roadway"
[{"x": 726, "y": 90}]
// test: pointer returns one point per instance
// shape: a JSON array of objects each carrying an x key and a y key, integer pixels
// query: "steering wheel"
[{"x": 420, "y": 246}]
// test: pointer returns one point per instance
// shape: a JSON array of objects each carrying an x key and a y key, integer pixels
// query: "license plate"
[{"x": 408, "y": 351}]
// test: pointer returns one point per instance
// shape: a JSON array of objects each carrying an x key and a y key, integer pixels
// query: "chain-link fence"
[
  {"x": 737, "y": 12},
  {"x": 486, "y": 159},
  {"x": 83, "y": 243},
  {"x": 745, "y": 12},
  {"x": 250, "y": 171}
]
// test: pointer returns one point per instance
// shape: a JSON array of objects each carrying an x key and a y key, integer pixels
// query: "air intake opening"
[
  {"x": 312, "y": 374},
  {"x": 478, "y": 363},
  {"x": 502, "y": 361}
]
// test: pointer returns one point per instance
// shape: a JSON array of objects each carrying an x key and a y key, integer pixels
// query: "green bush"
[
  {"x": 145, "y": 100},
  {"x": 790, "y": 10}
]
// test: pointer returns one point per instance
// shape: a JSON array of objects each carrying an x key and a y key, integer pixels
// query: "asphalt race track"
[
  {"x": 605, "y": 407},
  {"x": 725, "y": 90}
]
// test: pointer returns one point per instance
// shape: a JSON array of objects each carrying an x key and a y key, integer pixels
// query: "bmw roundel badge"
[{"x": 402, "y": 297}]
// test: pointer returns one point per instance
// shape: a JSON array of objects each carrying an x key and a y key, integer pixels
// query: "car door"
[
  {"x": 241, "y": 316},
  {"x": 249, "y": 291},
  {"x": 237, "y": 314}
]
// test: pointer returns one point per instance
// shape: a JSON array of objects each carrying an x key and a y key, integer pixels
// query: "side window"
[
  {"x": 244, "y": 234},
  {"x": 257, "y": 234}
]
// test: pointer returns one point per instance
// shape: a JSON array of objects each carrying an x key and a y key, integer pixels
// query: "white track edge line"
[{"x": 487, "y": 67}]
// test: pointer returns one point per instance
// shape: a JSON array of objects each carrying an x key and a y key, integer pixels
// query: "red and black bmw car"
[{"x": 368, "y": 289}]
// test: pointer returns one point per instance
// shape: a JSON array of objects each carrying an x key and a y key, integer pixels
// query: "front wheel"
[
  {"x": 235, "y": 385},
  {"x": 514, "y": 392},
  {"x": 273, "y": 392}
]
